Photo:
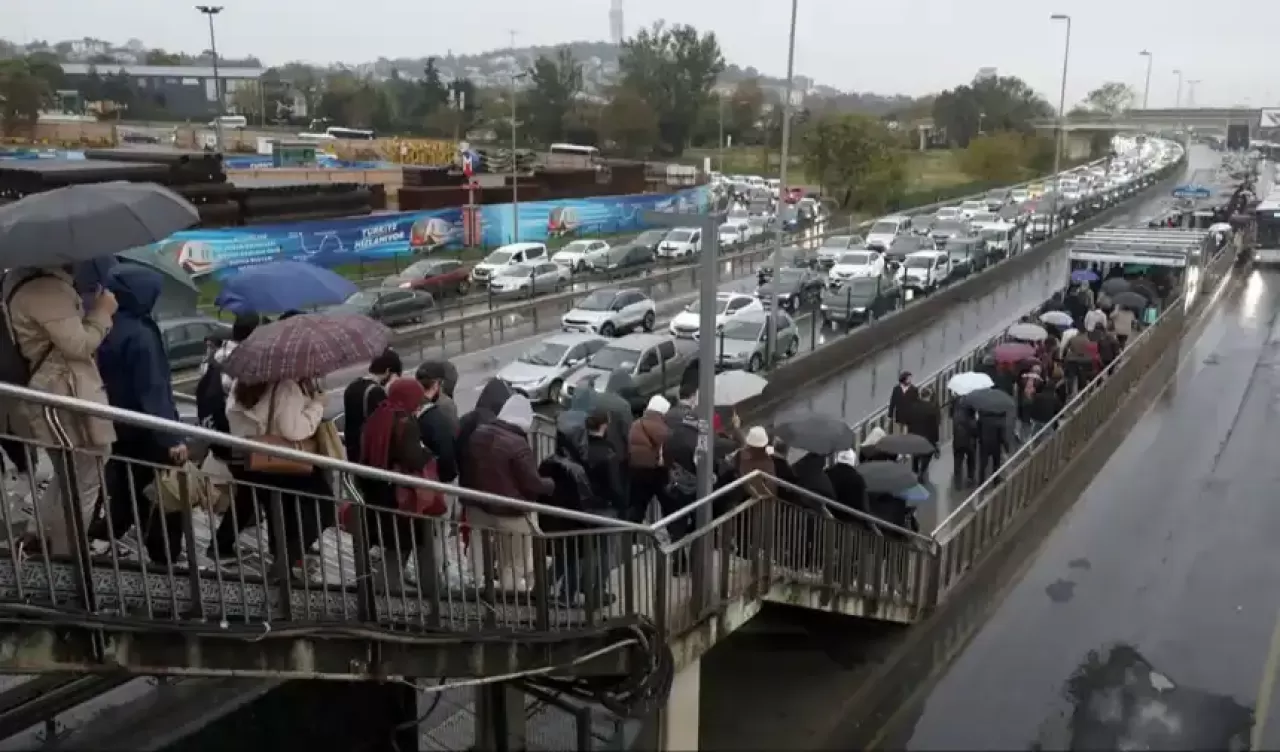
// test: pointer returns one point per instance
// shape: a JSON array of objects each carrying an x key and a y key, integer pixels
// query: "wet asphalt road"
[{"x": 1150, "y": 618}]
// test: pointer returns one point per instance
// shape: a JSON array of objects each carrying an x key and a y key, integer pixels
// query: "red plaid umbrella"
[
  {"x": 1009, "y": 352},
  {"x": 306, "y": 346}
]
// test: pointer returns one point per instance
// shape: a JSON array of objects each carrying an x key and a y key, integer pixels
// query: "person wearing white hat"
[
  {"x": 850, "y": 489},
  {"x": 754, "y": 456},
  {"x": 647, "y": 466},
  {"x": 757, "y": 438}
]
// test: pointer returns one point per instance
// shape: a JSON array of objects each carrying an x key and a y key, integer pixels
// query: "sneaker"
[
  {"x": 314, "y": 572},
  {"x": 103, "y": 548}
]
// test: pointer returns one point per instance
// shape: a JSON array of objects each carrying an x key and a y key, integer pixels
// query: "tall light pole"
[
  {"x": 515, "y": 172},
  {"x": 772, "y": 349},
  {"x": 1177, "y": 101},
  {"x": 1062, "y": 116},
  {"x": 720, "y": 155},
  {"x": 220, "y": 105},
  {"x": 1146, "y": 90},
  {"x": 1191, "y": 92}
]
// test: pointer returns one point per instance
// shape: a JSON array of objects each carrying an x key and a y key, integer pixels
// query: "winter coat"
[
  {"x": 646, "y": 439},
  {"x": 811, "y": 476},
  {"x": 605, "y": 471},
  {"x": 439, "y": 435},
  {"x": 295, "y": 417},
  {"x": 924, "y": 419},
  {"x": 406, "y": 455},
  {"x": 500, "y": 461},
  {"x": 900, "y": 401},
  {"x": 132, "y": 358},
  {"x": 492, "y": 397},
  {"x": 59, "y": 341},
  {"x": 850, "y": 490},
  {"x": 359, "y": 400}
]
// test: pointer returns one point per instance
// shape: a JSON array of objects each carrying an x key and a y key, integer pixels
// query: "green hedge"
[{"x": 912, "y": 199}]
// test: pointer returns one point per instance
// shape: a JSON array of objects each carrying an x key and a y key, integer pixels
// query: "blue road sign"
[{"x": 1191, "y": 191}]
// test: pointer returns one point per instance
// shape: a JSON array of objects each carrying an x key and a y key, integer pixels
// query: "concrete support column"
[
  {"x": 678, "y": 723},
  {"x": 500, "y": 718}
]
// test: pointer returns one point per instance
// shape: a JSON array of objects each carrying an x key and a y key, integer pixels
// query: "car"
[
  {"x": 185, "y": 338},
  {"x": 905, "y": 245},
  {"x": 1035, "y": 190},
  {"x": 732, "y": 234},
  {"x": 997, "y": 198},
  {"x": 1019, "y": 196},
  {"x": 834, "y": 246},
  {"x": 682, "y": 242},
  {"x": 581, "y": 255},
  {"x": 1000, "y": 238},
  {"x": 609, "y": 311},
  {"x": 540, "y": 372},
  {"x": 650, "y": 239},
  {"x": 528, "y": 280},
  {"x": 758, "y": 225},
  {"x": 789, "y": 257},
  {"x": 656, "y": 363},
  {"x": 944, "y": 231},
  {"x": 967, "y": 257},
  {"x": 924, "y": 271},
  {"x": 980, "y": 220},
  {"x": 507, "y": 255},
  {"x": 728, "y": 304},
  {"x": 795, "y": 288},
  {"x": 886, "y": 230},
  {"x": 859, "y": 300},
  {"x": 439, "y": 276},
  {"x": 625, "y": 256},
  {"x": 853, "y": 264},
  {"x": 743, "y": 343},
  {"x": 969, "y": 208},
  {"x": 392, "y": 306},
  {"x": 946, "y": 213}
]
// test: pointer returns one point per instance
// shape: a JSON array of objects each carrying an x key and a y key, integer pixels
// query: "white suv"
[
  {"x": 728, "y": 305},
  {"x": 924, "y": 270},
  {"x": 505, "y": 256},
  {"x": 610, "y": 312},
  {"x": 853, "y": 264},
  {"x": 581, "y": 255}
]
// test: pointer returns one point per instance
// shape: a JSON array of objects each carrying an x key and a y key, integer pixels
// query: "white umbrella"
[
  {"x": 1060, "y": 319},
  {"x": 1220, "y": 227},
  {"x": 970, "y": 381},
  {"x": 733, "y": 387},
  {"x": 1066, "y": 337},
  {"x": 1027, "y": 332}
]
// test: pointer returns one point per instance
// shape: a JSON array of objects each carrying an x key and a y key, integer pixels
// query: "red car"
[
  {"x": 794, "y": 195},
  {"x": 440, "y": 277}
]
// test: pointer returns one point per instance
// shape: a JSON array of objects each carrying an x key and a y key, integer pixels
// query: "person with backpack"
[
  {"x": 438, "y": 430},
  {"x": 50, "y": 344},
  {"x": 361, "y": 398}
]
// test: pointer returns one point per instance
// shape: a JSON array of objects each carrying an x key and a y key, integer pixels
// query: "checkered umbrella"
[{"x": 306, "y": 346}]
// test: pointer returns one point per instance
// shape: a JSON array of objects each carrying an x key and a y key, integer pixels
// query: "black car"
[
  {"x": 997, "y": 198},
  {"x": 787, "y": 258},
  {"x": 184, "y": 339},
  {"x": 795, "y": 288},
  {"x": 905, "y": 245},
  {"x": 860, "y": 300},
  {"x": 392, "y": 306},
  {"x": 625, "y": 257},
  {"x": 944, "y": 231},
  {"x": 649, "y": 239},
  {"x": 968, "y": 256}
]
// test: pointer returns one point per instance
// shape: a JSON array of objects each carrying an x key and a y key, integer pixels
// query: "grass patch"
[{"x": 928, "y": 170}]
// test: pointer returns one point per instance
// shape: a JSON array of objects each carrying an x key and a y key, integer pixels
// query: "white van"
[
  {"x": 507, "y": 255},
  {"x": 682, "y": 242}
]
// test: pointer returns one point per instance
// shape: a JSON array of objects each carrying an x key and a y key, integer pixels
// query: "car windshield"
[
  {"x": 919, "y": 262},
  {"x": 948, "y": 226},
  {"x": 421, "y": 269},
  {"x": 679, "y": 236},
  {"x": 649, "y": 236},
  {"x": 577, "y": 246},
  {"x": 884, "y": 228},
  {"x": 855, "y": 289},
  {"x": 362, "y": 298},
  {"x": 984, "y": 217},
  {"x": 498, "y": 257},
  {"x": 743, "y": 329},
  {"x": 545, "y": 354},
  {"x": 855, "y": 259},
  {"x": 600, "y": 300},
  {"x": 613, "y": 357},
  {"x": 788, "y": 277},
  {"x": 515, "y": 270},
  {"x": 836, "y": 241}
]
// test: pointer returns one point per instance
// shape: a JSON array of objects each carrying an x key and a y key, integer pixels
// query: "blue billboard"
[{"x": 337, "y": 242}]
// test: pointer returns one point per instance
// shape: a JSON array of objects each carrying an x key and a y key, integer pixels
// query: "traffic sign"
[{"x": 1191, "y": 191}]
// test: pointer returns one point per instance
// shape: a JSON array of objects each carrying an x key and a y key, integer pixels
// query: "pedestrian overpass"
[{"x": 1205, "y": 119}]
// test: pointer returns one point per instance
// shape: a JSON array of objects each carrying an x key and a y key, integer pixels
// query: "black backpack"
[
  {"x": 211, "y": 406},
  {"x": 14, "y": 367}
]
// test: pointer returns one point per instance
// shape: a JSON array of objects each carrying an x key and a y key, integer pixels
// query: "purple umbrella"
[
  {"x": 306, "y": 346},
  {"x": 1084, "y": 275}
]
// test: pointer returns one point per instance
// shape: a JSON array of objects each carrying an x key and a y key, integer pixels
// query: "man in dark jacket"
[
  {"x": 924, "y": 419},
  {"x": 993, "y": 442},
  {"x": 447, "y": 374},
  {"x": 439, "y": 432},
  {"x": 492, "y": 397},
  {"x": 904, "y": 394},
  {"x": 964, "y": 444},
  {"x": 135, "y": 371},
  {"x": 605, "y": 469},
  {"x": 363, "y": 396}
]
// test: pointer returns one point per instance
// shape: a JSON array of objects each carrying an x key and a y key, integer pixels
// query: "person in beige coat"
[{"x": 59, "y": 340}]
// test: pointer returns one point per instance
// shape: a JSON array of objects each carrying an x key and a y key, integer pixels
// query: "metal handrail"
[{"x": 153, "y": 423}]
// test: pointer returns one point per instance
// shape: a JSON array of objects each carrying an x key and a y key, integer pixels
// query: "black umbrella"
[
  {"x": 905, "y": 443},
  {"x": 1115, "y": 285},
  {"x": 990, "y": 401},
  {"x": 1132, "y": 300},
  {"x": 820, "y": 434},
  {"x": 883, "y": 477},
  {"x": 82, "y": 222},
  {"x": 1144, "y": 288}
]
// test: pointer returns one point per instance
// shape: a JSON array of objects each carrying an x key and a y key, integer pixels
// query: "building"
[
  {"x": 187, "y": 91},
  {"x": 985, "y": 74}
]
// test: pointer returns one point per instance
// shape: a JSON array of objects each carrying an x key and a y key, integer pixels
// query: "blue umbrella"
[
  {"x": 917, "y": 494},
  {"x": 281, "y": 286},
  {"x": 1084, "y": 275}
]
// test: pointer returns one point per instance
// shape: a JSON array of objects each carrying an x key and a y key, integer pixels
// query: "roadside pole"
[{"x": 771, "y": 341}]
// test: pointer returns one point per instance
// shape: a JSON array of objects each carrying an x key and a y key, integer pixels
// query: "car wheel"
[
  {"x": 581, "y": 268},
  {"x": 756, "y": 363},
  {"x": 553, "y": 391},
  {"x": 607, "y": 329},
  {"x": 648, "y": 322},
  {"x": 464, "y": 287}
]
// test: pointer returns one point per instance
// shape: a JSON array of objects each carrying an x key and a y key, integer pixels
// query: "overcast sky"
[{"x": 902, "y": 46}]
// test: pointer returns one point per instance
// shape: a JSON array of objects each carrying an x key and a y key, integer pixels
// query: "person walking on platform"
[
  {"x": 964, "y": 445},
  {"x": 925, "y": 419},
  {"x": 993, "y": 441},
  {"x": 901, "y": 398},
  {"x": 646, "y": 463}
]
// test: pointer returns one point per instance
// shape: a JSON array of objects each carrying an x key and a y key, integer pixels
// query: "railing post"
[{"x": 64, "y": 464}]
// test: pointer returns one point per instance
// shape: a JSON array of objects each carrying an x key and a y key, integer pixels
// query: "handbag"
[
  {"x": 422, "y": 501},
  {"x": 259, "y": 462}
]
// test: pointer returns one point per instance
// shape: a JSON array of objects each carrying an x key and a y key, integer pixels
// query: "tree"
[
  {"x": 160, "y": 57},
  {"x": 856, "y": 159},
  {"x": 1003, "y": 103},
  {"x": 23, "y": 93},
  {"x": 1111, "y": 98},
  {"x": 743, "y": 112},
  {"x": 673, "y": 69},
  {"x": 249, "y": 99},
  {"x": 303, "y": 80},
  {"x": 555, "y": 83},
  {"x": 629, "y": 124},
  {"x": 354, "y": 102},
  {"x": 995, "y": 157}
]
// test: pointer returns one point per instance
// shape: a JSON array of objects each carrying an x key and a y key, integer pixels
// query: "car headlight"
[{"x": 824, "y": 308}]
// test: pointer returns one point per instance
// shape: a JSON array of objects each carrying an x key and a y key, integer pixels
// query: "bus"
[
  {"x": 575, "y": 150},
  {"x": 1267, "y": 217},
  {"x": 338, "y": 134}
]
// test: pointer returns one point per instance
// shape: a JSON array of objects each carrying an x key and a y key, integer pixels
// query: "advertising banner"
[{"x": 338, "y": 242}]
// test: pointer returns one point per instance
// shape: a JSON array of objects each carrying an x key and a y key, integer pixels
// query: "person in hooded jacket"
[
  {"x": 446, "y": 374},
  {"x": 613, "y": 403},
  {"x": 361, "y": 398},
  {"x": 135, "y": 371},
  {"x": 439, "y": 432},
  {"x": 964, "y": 444},
  {"x": 572, "y": 491},
  {"x": 389, "y": 440},
  {"x": 849, "y": 487},
  {"x": 493, "y": 396},
  {"x": 647, "y": 466}
]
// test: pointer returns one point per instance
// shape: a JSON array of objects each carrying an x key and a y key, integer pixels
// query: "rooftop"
[{"x": 161, "y": 71}]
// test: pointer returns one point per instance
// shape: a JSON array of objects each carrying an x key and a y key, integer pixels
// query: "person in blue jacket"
[{"x": 135, "y": 369}]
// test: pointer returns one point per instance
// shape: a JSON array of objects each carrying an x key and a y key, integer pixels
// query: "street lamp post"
[
  {"x": 772, "y": 340},
  {"x": 1059, "y": 141},
  {"x": 515, "y": 165},
  {"x": 220, "y": 105},
  {"x": 1191, "y": 92},
  {"x": 720, "y": 154},
  {"x": 1146, "y": 89},
  {"x": 1177, "y": 102}
]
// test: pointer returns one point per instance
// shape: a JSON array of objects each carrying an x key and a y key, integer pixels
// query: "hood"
[
  {"x": 519, "y": 372},
  {"x": 136, "y": 287},
  {"x": 578, "y": 314},
  {"x": 493, "y": 396},
  {"x": 517, "y": 411}
]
